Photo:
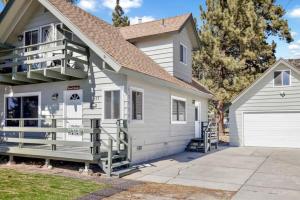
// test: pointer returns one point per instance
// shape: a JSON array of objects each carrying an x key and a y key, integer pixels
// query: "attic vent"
[{"x": 46, "y": 10}]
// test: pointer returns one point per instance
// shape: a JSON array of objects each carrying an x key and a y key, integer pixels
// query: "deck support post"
[
  {"x": 21, "y": 134},
  {"x": 109, "y": 157},
  {"x": 86, "y": 167},
  {"x": 48, "y": 164},
  {"x": 11, "y": 160}
]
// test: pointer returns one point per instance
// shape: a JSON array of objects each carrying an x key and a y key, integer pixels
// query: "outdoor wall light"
[
  {"x": 282, "y": 94},
  {"x": 20, "y": 38},
  {"x": 54, "y": 96},
  {"x": 194, "y": 101},
  {"x": 93, "y": 105}
]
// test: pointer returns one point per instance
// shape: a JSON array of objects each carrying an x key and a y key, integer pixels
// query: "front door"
[
  {"x": 198, "y": 120},
  {"x": 73, "y": 114}
]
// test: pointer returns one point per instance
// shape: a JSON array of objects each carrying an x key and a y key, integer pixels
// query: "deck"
[{"x": 58, "y": 60}]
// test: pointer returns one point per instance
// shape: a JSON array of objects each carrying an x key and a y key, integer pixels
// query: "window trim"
[
  {"x": 171, "y": 113},
  {"x": 282, "y": 70},
  {"x": 113, "y": 88},
  {"x": 53, "y": 32},
  {"x": 135, "y": 89},
  {"x": 184, "y": 63},
  {"x": 25, "y": 94}
]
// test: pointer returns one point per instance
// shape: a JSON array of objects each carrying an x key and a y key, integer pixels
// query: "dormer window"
[
  {"x": 183, "y": 54},
  {"x": 282, "y": 78}
]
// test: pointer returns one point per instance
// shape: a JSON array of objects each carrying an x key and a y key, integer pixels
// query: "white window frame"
[
  {"x": 25, "y": 94},
  {"x": 283, "y": 70},
  {"x": 53, "y": 33},
  {"x": 179, "y": 99},
  {"x": 135, "y": 89},
  {"x": 113, "y": 88},
  {"x": 182, "y": 62}
]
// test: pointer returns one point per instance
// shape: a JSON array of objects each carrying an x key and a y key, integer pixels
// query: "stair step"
[
  {"x": 114, "y": 157},
  {"x": 120, "y": 164},
  {"x": 125, "y": 172}
]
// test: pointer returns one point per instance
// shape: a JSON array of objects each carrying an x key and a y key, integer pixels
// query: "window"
[
  {"x": 137, "y": 104},
  {"x": 22, "y": 107},
  {"x": 178, "y": 110},
  {"x": 62, "y": 32},
  {"x": 31, "y": 38},
  {"x": 282, "y": 78},
  {"x": 183, "y": 53},
  {"x": 112, "y": 104}
]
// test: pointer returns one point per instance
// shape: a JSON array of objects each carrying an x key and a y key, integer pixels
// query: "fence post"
[
  {"x": 21, "y": 134},
  {"x": 109, "y": 156},
  {"x": 53, "y": 134}
]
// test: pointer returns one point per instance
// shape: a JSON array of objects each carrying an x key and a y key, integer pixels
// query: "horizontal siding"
[
  {"x": 264, "y": 97},
  {"x": 157, "y": 136},
  {"x": 160, "y": 50}
]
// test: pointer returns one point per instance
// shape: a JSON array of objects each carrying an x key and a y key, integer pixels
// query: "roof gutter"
[{"x": 6, "y": 9}]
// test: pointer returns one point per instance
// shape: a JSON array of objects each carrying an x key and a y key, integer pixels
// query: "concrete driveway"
[{"x": 254, "y": 173}]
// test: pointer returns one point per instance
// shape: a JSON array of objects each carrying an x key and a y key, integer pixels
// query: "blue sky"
[{"x": 156, "y": 9}]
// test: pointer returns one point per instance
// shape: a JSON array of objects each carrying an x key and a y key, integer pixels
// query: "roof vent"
[{"x": 140, "y": 20}]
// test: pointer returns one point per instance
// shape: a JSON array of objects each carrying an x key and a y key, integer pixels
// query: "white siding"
[
  {"x": 183, "y": 71},
  {"x": 157, "y": 136},
  {"x": 160, "y": 49},
  {"x": 263, "y": 97}
]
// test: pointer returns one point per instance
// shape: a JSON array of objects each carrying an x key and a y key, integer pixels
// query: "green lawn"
[{"x": 29, "y": 186}]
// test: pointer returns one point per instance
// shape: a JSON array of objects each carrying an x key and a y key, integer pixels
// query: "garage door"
[{"x": 272, "y": 129}]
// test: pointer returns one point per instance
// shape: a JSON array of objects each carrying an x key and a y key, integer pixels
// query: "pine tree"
[
  {"x": 4, "y": 1},
  {"x": 234, "y": 49},
  {"x": 119, "y": 20}
]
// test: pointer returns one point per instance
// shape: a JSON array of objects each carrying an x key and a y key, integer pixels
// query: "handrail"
[{"x": 33, "y": 45}]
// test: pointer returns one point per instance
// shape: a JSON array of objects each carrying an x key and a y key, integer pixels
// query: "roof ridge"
[{"x": 186, "y": 14}]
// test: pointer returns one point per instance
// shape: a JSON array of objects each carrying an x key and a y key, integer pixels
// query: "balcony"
[{"x": 59, "y": 60}]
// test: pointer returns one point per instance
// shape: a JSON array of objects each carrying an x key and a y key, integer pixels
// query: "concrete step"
[{"x": 125, "y": 172}]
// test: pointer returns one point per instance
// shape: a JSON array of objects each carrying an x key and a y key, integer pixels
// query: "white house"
[
  {"x": 267, "y": 113},
  {"x": 62, "y": 69}
]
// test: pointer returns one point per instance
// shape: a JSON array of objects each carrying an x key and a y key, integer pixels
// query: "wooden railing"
[
  {"x": 50, "y": 129},
  {"x": 64, "y": 53},
  {"x": 210, "y": 135}
]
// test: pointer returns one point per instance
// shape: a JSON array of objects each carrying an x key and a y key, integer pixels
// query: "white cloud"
[
  {"x": 294, "y": 13},
  {"x": 295, "y": 49},
  {"x": 89, "y": 5},
  {"x": 125, "y": 4},
  {"x": 135, "y": 20},
  {"x": 293, "y": 33}
]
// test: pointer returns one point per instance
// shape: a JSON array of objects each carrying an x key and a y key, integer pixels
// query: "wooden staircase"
[
  {"x": 117, "y": 160},
  {"x": 209, "y": 138}
]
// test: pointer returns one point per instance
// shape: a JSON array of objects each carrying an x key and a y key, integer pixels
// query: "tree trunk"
[{"x": 220, "y": 118}]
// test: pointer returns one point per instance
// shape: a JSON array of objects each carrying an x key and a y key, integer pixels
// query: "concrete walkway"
[{"x": 254, "y": 173}]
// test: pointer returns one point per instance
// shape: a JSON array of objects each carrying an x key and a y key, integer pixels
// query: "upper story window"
[
  {"x": 137, "y": 99},
  {"x": 282, "y": 78},
  {"x": 31, "y": 38},
  {"x": 178, "y": 106},
  {"x": 183, "y": 54}
]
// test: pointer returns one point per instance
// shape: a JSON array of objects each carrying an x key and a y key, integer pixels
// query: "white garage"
[
  {"x": 267, "y": 113},
  {"x": 280, "y": 129}
]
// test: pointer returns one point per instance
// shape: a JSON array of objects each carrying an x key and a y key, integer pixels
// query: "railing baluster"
[
  {"x": 53, "y": 134},
  {"x": 21, "y": 134}
]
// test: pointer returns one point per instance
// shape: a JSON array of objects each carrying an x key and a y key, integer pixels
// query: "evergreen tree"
[
  {"x": 119, "y": 20},
  {"x": 234, "y": 49},
  {"x": 4, "y": 1}
]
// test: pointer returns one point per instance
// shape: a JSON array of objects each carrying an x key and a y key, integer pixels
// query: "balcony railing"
[{"x": 50, "y": 61}]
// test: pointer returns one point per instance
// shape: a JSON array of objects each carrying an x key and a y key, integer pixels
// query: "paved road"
[{"x": 254, "y": 173}]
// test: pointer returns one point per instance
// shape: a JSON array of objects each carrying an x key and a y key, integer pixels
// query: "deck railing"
[
  {"x": 63, "y": 53},
  {"x": 43, "y": 139}
]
